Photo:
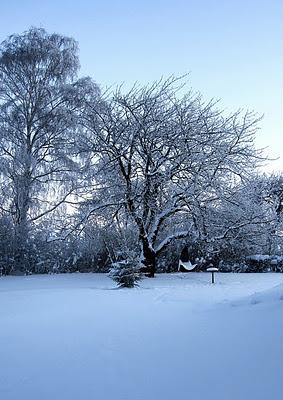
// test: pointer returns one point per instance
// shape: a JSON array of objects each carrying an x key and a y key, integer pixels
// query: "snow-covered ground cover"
[{"x": 75, "y": 337}]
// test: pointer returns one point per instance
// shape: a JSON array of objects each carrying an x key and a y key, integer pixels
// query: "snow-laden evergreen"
[{"x": 125, "y": 273}]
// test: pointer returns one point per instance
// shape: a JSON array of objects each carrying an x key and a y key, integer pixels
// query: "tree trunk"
[
  {"x": 21, "y": 203},
  {"x": 149, "y": 259},
  {"x": 21, "y": 247}
]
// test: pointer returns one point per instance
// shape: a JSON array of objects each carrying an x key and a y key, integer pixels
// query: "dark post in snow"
[{"x": 212, "y": 270}]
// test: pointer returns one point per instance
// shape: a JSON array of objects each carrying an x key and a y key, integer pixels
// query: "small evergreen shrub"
[{"x": 125, "y": 273}]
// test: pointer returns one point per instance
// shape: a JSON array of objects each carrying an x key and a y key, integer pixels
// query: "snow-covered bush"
[
  {"x": 264, "y": 263},
  {"x": 253, "y": 263},
  {"x": 231, "y": 266},
  {"x": 125, "y": 273}
]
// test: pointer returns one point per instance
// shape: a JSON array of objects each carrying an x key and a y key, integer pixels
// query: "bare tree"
[{"x": 163, "y": 156}]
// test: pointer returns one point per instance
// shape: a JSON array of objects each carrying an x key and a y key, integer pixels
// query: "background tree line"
[{"x": 90, "y": 177}]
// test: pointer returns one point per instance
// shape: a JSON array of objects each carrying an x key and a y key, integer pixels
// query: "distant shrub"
[{"x": 254, "y": 263}]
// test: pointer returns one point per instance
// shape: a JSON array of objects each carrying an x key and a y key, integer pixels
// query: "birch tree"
[{"x": 39, "y": 98}]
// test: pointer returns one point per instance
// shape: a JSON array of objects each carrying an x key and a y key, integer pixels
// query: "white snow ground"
[{"x": 71, "y": 337}]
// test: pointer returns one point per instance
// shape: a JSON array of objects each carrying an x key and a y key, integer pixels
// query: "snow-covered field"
[{"x": 74, "y": 337}]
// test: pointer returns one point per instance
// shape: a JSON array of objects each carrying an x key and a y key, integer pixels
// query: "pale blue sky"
[{"x": 232, "y": 49}]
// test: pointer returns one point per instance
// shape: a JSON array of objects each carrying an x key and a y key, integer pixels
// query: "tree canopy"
[{"x": 88, "y": 177}]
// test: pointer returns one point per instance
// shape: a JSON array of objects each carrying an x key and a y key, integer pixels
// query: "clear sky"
[{"x": 233, "y": 49}]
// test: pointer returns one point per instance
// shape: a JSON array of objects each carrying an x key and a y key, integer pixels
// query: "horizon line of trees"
[{"x": 88, "y": 178}]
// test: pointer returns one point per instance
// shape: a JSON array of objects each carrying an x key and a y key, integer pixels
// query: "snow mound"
[{"x": 269, "y": 296}]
